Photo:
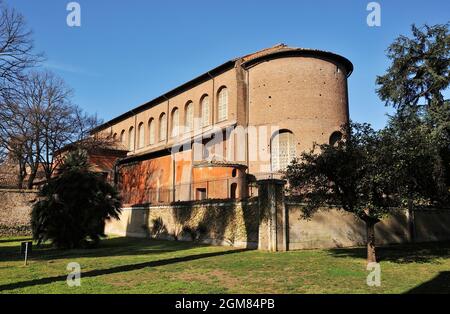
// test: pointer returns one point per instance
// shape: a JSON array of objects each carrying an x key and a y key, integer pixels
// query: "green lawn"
[{"x": 125, "y": 265}]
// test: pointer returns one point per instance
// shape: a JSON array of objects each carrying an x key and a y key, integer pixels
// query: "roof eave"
[
  {"x": 178, "y": 90},
  {"x": 303, "y": 53}
]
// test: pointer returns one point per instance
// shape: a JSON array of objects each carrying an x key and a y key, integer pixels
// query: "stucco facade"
[{"x": 226, "y": 125}]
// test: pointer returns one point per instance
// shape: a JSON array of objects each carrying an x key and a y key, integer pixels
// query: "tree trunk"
[
  {"x": 21, "y": 174},
  {"x": 411, "y": 227},
  {"x": 371, "y": 252},
  {"x": 20, "y": 182},
  {"x": 48, "y": 175},
  {"x": 31, "y": 178},
  {"x": 20, "y": 178}
]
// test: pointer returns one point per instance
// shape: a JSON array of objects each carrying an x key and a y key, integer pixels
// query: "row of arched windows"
[{"x": 176, "y": 127}]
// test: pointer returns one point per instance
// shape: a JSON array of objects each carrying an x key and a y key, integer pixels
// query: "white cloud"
[{"x": 69, "y": 68}]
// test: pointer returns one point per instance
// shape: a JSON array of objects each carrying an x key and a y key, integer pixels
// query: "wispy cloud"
[{"x": 69, "y": 68}]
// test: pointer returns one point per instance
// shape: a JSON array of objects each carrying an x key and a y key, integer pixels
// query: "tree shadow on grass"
[
  {"x": 400, "y": 253},
  {"x": 118, "y": 269},
  {"x": 439, "y": 284},
  {"x": 106, "y": 248}
]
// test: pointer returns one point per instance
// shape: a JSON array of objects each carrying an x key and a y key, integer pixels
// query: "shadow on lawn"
[
  {"x": 118, "y": 269},
  {"x": 401, "y": 253},
  {"x": 107, "y": 247},
  {"x": 439, "y": 284}
]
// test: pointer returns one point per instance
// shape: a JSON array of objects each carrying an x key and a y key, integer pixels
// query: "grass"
[{"x": 126, "y": 265}]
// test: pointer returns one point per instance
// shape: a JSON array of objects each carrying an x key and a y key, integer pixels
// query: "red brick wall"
[{"x": 137, "y": 178}]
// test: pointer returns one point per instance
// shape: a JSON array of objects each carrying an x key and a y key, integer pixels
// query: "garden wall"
[
  {"x": 226, "y": 223},
  {"x": 432, "y": 225},
  {"x": 333, "y": 228},
  {"x": 252, "y": 223},
  {"x": 269, "y": 223},
  {"x": 15, "y": 208}
]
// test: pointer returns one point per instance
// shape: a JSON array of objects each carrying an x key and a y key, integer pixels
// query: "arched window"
[
  {"x": 162, "y": 127},
  {"x": 335, "y": 138},
  {"x": 204, "y": 110},
  {"x": 141, "y": 135},
  {"x": 115, "y": 137},
  {"x": 189, "y": 116},
  {"x": 151, "y": 132},
  {"x": 131, "y": 139},
  {"x": 122, "y": 137},
  {"x": 282, "y": 150},
  {"x": 175, "y": 123},
  {"x": 222, "y": 105}
]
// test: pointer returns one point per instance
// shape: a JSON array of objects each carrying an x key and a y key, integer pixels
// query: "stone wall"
[
  {"x": 15, "y": 208},
  {"x": 251, "y": 224},
  {"x": 226, "y": 223},
  {"x": 432, "y": 225},
  {"x": 335, "y": 228}
]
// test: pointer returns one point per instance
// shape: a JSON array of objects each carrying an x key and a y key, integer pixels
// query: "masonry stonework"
[
  {"x": 226, "y": 223},
  {"x": 237, "y": 225},
  {"x": 270, "y": 223},
  {"x": 307, "y": 96},
  {"x": 15, "y": 209}
]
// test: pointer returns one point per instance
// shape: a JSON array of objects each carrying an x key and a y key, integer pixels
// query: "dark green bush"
[{"x": 74, "y": 205}]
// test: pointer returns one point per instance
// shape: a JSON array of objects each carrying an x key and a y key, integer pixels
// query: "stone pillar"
[{"x": 273, "y": 223}]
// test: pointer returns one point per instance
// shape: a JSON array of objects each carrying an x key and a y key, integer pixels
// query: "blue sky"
[{"x": 128, "y": 52}]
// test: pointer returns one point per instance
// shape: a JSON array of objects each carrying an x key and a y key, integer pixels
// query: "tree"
[
  {"x": 56, "y": 121},
  {"x": 16, "y": 48},
  {"x": 38, "y": 119},
  {"x": 351, "y": 175},
  {"x": 408, "y": 162},
  {"x": 74, "y": 205},
  {"x": 15, "y": 135},
  {"x": 414, "y": 84},
  {"x": 16, "y": 57},
  {"x": 420, "y": 69},
  {"x": 417, "y": 167}
]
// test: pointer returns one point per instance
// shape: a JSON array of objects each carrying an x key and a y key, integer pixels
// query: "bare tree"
[
  {"x": 16, "y": 48},
  {"x": 38, "y": 120},
  {"x": 15, "y": 134},
  {"x": 16, "y": 57},
  {"x": 62, "y": 123}
]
